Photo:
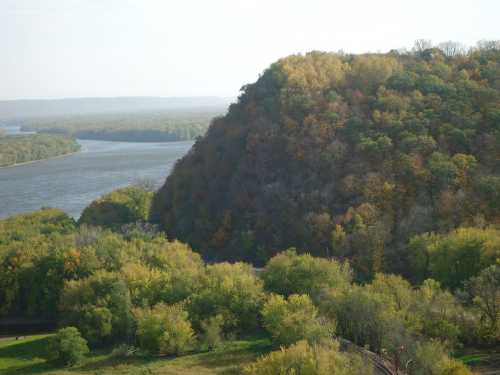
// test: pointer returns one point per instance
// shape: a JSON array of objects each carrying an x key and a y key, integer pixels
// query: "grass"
[
  {"x": 486, "y": 361},
  {"x": 25, "y": 357}
]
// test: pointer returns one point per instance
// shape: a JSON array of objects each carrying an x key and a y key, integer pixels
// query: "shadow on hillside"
[{"x": 31, "y": 350}]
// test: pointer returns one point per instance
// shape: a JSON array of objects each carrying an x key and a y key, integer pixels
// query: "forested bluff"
[{"x": 366, "y": 187}]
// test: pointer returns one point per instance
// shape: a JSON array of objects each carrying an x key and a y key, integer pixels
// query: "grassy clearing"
[{"x": 26, "y": 357}]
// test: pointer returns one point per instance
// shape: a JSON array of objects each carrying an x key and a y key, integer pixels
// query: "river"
[{"x": 71, "y": 182}]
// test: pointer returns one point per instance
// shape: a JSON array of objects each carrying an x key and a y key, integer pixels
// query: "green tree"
[
  {"x": 68, "y": 347},
  {"x": 120, "y": 207},
  {"x": 293, "y": 319},
  {"x": 232, "y": 291},
  {"x": 315, "y": 359},
  {"x": 288, "y": 273},
  {"x": 485, "y": 292},
  {"x": 164, "y": 329}
]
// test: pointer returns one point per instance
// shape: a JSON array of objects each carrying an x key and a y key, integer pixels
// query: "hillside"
[{"x": 344, "y": 155}]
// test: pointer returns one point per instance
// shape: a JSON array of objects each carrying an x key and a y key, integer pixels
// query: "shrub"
[
  {"x": 288, "y": 273},
  {"x": 68, "y": 347},
  {"x": 164, "y": 329},
  {"x": 294, "y": 319},
  {"x": 304, "y": 358}
]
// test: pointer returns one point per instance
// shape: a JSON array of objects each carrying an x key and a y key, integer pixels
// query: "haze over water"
[{"x": 72, "y": 182}]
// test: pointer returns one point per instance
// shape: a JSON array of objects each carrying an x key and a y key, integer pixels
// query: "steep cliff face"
[{"x": 345, "y": 156}]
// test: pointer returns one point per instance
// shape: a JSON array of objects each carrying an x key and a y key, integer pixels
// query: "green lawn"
[{"x": 25, "y": 356}]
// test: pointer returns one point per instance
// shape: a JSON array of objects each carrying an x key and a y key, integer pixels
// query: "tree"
[
  {"x": 120, "y": 207},
  {"x": 421, "y": 45},
  {"x": 96, "y": 302},
  {"x": 293, "y": 319},
  {"x": 362, "y": 316},
  {"x": 431, "y": 358},
  {"x": 456, "y": 257},
  {"x": 212, "y": 332},
  {"x": 288, "y": 273},
  {"x": 230, "y": 290},
  {"x": 68, "y": 347},
  {"x": 452, "y": 49},
  {"x": 164, "y": 329},
  {"x": 311, "y": 359},
  {"x": 485, "y": 292}
]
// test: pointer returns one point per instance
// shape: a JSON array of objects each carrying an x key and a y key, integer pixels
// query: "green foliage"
[
  {"x": 143, "y": 126},
  {"x": 288, "y": 273},
  {"x": 432, "y": 359},
  {"x": 68, "y": 347},
  {"x": 123, "y": 206},
  {"x": 164, "y": 329},
  {"x": 99, "y": 306},
  {"x": 22, "y": 149},
  {"x": 211, "y": 337},
  {"x": 484, "y": 290},
  {"x": 35, "y": 260},
  {"x": 306, "y": 359},
  {"x": 362, "y": 316},
  {"x": 455, "y": 257},
  {"x": 440, "y": 314},
  {"x": 294, "y": 319},
  {"x": 232, "y": 291},
  {"x": 384, "y": 146}
]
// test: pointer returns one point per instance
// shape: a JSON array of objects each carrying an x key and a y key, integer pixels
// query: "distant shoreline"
[{"x": 37, "y": 160}]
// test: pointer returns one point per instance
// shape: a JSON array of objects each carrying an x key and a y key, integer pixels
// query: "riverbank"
[{"x": 38, "y": 160}]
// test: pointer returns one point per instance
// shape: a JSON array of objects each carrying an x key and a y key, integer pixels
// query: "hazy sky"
[{"x": 72, "y": 48}]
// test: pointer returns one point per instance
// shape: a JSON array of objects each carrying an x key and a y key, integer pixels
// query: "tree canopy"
[{"x": 344, "y": 155}]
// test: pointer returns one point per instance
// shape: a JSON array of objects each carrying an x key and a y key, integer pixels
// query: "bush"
[
  {"x": 294, "y": 319},
  {"x": 304, "y": 358},
  {"x": 164, "y": 329},
  {"x": 68, "y": 346},
  {"x": 288, "y": 273}
]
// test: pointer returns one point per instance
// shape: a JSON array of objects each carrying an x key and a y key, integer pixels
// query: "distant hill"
[
  {"x": 22, "y": 109},
  {"x": 344, "y": 155}
]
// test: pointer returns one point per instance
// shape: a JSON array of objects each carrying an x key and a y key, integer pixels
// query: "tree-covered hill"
[
  {"x": 23, "y": 149},
  {"x": 345, "y": 155},
  {"x": 145, "y": 126}
]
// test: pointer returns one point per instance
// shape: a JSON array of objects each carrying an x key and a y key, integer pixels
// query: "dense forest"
[
  {"x": 147, "y": 126},
  {"x": 132, "y": 289},
  {"x": 22, "y": 149},
  {"x": 391, "y": 161}
]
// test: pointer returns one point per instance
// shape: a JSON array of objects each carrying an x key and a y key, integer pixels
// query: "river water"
[{"x": 71, "y": 182}]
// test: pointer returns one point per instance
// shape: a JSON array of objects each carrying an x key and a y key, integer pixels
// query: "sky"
[{"x": 101, "y": 48}]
